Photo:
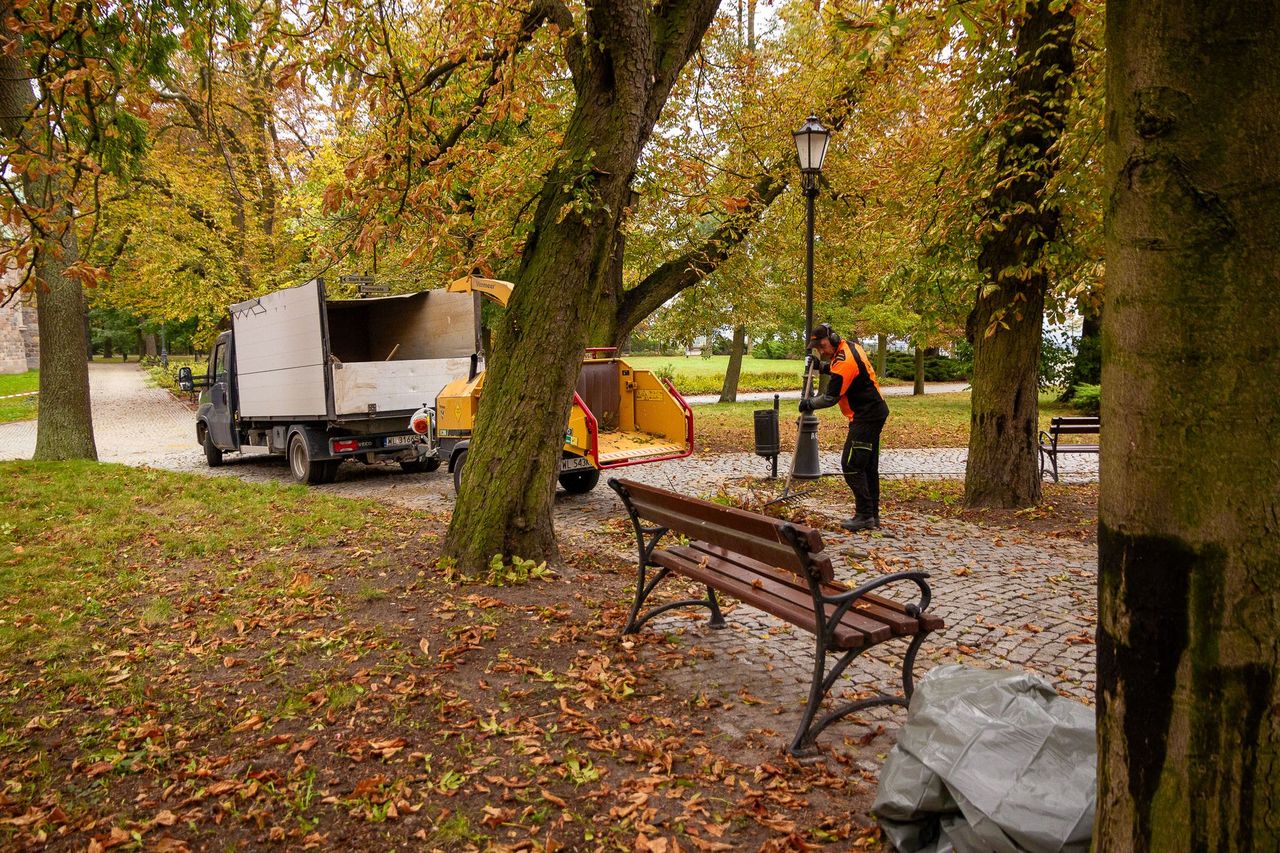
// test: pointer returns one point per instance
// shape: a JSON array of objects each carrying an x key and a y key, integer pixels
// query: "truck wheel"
[
  {"x": 212, "y": 454},
  {"x": 457, "y": 471},
  {"x": 420, "y": 466},
  {"x": 304, "y": 468},
  {"x": 580, "y": 482}
]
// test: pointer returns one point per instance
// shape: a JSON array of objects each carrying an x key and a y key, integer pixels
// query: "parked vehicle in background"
[{"x": 326, "y": 380}]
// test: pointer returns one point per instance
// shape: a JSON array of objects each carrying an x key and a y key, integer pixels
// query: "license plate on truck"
[
  {"x": 397, "y": 440},
  {"x": 575, "y": 463}
]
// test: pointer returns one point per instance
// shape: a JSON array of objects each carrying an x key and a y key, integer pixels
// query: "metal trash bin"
[{"x": 767, "y": 443}]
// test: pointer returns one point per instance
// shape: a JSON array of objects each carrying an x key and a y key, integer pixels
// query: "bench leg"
[
  {"x": 717, "y": 618},
  {"x": 642, "y": 592},
  {"x": 805, "y": 742},
  {"x": 636, "y": 619}
]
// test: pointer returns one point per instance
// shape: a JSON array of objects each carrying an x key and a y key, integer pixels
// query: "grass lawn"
[
  {"x": 698, "y": 375},
  {"x": 202, "y": 663},
  {"x": 18, "y": 408},
  {"x": 930, "y": 420}
]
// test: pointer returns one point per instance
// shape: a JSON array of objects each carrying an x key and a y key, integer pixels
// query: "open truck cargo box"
[
  {"x": 623, "y": 416},
  {"x": 300, "y": 356}
]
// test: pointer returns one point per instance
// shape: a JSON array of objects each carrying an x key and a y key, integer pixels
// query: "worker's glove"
[
  {"x": 806, "y": 405},
  {"x": 824, "y": 368}
]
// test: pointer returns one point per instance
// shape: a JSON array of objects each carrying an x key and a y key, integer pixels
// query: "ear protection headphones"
[{"x": 824, "y": 330}]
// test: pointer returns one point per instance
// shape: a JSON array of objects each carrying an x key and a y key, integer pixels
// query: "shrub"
[
  {"x": 1088, "y": 399},
  {"x": 937, "y": 368},
  {"x": 771, "y": 348}
]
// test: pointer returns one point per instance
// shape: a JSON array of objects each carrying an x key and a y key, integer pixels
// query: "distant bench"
[
  {"x": 779, "y": 568},
  {"x": 1050, "y": 446}
]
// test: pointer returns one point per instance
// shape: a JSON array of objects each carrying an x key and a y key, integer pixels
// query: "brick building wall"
[{"x": 19, "y": 338}]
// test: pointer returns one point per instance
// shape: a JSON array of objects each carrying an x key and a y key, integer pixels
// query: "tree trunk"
[
  {"x": 882, "y": 349},
  {"x": 1005, "y": 327},
  {"x": 1189, "y": 513},
  {"x": 729, "y": 391},
  {"x": 918, "y": 388},
  {"x": 64, "y": 427},
  {"x": 624, "y": 61}
]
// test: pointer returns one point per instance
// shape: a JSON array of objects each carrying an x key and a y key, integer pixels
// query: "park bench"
[
  {"x": 780, "y": 568},
  {"x": 1050, "y": 446}
]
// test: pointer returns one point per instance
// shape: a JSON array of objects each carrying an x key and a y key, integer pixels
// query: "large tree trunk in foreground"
[
  {"x": 729, "y": 390},
  {"x": 64, "y": 429},
  {"x": 1005, "y": 327},
  {"x": 1189, "y": 515},
  {"x": 624, "y": 60}
]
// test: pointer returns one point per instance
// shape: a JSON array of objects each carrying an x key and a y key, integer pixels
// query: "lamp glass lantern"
[{"x": 811, "y": 145}]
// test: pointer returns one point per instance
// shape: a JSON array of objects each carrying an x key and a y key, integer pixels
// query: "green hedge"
[
  {"x": 937, "y": 368},
  {"x": 1088, "y": 399}
]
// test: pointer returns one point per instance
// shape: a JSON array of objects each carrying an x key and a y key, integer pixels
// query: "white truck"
[{"x": 325, "y": 380}]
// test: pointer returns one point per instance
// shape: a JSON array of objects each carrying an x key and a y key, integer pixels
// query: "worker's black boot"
[{"x": 860, "y": 522}]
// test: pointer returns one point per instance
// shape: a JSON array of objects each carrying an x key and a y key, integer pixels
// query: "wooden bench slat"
[
  {"x": 928, "y": 621},
  {"x": 822, "y": 561},
  {"x": 736, "y": 564},
  {"x": 890, "y": 612},
  {"x": 750, "y": 523},
  {"x": 771, "y": 594},
  {"x": 754, "y": 535},
  {"x": 898, "y": 622}
]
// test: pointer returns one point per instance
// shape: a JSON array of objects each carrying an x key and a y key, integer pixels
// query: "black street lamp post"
[{"x": 811, "y": 150}]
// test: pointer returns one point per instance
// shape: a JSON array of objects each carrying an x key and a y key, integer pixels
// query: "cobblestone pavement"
[{"x": 1009, "y": 599}]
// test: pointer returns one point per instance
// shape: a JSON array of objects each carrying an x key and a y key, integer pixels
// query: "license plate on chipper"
[
  {"x": 393, "y": 440},
  {"x": 575, "y": 463}
]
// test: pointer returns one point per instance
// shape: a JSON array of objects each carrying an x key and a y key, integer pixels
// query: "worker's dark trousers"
[{"x": 861, "y": 465}]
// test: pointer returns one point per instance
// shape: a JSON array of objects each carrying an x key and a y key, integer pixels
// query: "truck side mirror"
[{"x": 185, "y": 381}]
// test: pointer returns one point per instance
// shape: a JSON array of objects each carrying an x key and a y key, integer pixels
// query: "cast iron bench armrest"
[{"x": 848, "y": 599}]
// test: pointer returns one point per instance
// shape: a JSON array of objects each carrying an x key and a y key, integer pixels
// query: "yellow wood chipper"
[{"x": 621, "y": 415}]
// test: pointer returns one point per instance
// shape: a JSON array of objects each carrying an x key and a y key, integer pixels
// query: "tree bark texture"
[
  {"x": 64, "y": 429},
  {"x": 1020, "y": 221},
  {"x": 1189, "y": 514},
  {"x": 882, "y": 348},
  {"x": 729, "y": 390},
  {"x": 624, "y": 60},
  {"x": 918, "y": 388}
]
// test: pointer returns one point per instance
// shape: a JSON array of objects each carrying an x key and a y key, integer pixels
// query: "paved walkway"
[{"x": 1009, "y": 599}]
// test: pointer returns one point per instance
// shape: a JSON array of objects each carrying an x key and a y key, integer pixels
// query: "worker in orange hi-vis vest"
[{"x": 853, "y": 385}]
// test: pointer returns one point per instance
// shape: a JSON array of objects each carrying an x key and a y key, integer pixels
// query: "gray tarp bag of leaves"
[{"x": 989, "y": 760}]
